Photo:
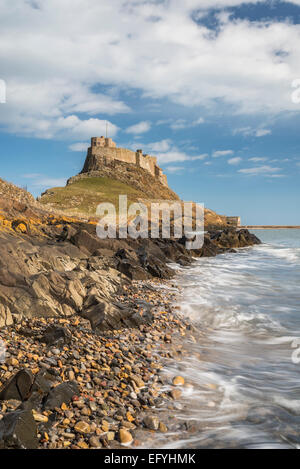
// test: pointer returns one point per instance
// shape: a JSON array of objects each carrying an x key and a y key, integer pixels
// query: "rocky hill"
[
  {"x": 11, "y": 192},
  {"x": 85, "y": 191}
]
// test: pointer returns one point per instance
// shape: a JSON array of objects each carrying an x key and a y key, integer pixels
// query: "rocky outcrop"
[
  {"x": 149, "y": 186},
  {"x": 18, "y": 431},
  {"x": 72, "y": 271},
  {"x": 11, "y": 192},
  {"x": 54, "y": 266}
]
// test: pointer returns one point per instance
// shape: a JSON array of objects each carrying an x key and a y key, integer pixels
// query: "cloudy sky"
[{"x": 212, "y": 87}]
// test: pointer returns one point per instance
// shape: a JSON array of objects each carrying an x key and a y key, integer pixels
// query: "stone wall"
[{"x": 103, "y": 151}]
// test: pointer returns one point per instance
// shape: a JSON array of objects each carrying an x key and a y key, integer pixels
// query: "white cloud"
[
  {"x": 73, "y": 127},
  {"x": 261, "y": 170},
  {"x": 140, "y": 128},
  {"x": 251, "y": 132},
  {"x": 176, "y": 155},
  {"x": 262, "y": 132},
  {"x": 234, "y": 161},
  {"x": 175, "y": 169},
  {"x": 258, "y": 159},
  {"x": 179, "y": 124},
  {"x": 166, "y": 151},
  {"x": 217, "y": 154},
  {"x": 199, "y": 157},
  {"x": 199, "y": 121},
  {"x": 172, "y": 156},
  {"x": 56, "y": 69},
  {"x": 162, "y": 146},
  {"x": 44, "y": 109},
  {"x": 79, "y": 146},
  {"x": 42, "y": 181}
]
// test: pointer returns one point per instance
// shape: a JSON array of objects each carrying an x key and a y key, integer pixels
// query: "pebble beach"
[{"x": 122, "y": 397}]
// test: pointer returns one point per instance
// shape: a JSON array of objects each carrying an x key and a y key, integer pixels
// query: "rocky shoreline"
[
  {"x": 87, "y": 334},
  {"x": 89, "y": 390}
]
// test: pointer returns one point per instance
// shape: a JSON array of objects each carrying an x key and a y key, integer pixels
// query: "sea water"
[{"x": 243, "y": 372}]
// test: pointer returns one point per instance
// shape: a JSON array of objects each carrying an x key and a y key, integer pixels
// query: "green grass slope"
[{"x": 82, "y": 197}]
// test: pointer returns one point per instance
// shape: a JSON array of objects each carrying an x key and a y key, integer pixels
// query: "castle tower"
[
  {"x": 102, "y": 142},
  {"x": 104, "y": 152}
]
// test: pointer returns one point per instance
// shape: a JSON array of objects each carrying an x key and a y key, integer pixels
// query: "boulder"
[
  {"x": 6, "y": 318},
  {"x": 85, "y": 241},
  {"x": 94, "y": 311},
  {"x": 18, "y": 387},
  {"x": 132, "y": 270},
  {"x": 61, "y": 394},
  {"x": 39, "y": 390},
  {"x": 55, "y": 335},
  {"x": 18, "y": 430}
]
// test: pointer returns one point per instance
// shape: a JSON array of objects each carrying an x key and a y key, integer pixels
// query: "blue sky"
[{"x": 208, "y": 86}]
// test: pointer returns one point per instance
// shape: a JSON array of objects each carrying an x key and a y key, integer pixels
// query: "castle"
[{"x": 103, "y": 152}]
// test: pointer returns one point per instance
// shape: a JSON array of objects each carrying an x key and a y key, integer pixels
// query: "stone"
[
  {"x": 111, "y": 436},
  {"x": 18, "y": 387},
  {"x": 95, "y": 442},
  {"x": 175, "y": 394},
  {"x": 39, "y": 417},
  {"x": 61, "y": 394},
  {"x": 125, "y": 437},
  {"x": 82, "y": 427},
  {"x": 82, "y": 445},
  {"x": 18, "y": 431},
  {"x": 11, "y": 361},
  {"x": 40, "y": 388},
  {"x": 6, "y": 318},
  {"x": 162, "y": 427},
  {"x": 151, "y": 422},
  {"x": 178, "y": 381},
  {"x": 94, "y": 311},
  {"x": 105, "y": 426},
  {"x": 56, "y": 335}
]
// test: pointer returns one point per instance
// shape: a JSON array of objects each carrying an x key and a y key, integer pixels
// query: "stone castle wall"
[{"x": 103, "y": 151}]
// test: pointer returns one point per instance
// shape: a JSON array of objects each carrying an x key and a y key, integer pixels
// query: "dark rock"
[
  {"x": 159, "y": 269},
  {"x": 94, "y": 311},
  {"x": 18, "y": 387},
  {"x": 62, "y": 394},
  {"x": 56, "y": 335},
  {"x": 232, "y": 238},
  {"x": 18, "y": 430},
  {"x": 209, "y": 248},
  {"x": 132, "y": 270},
  {"x": 39, "y": 390},
  {"x": 85, "y": 241}
]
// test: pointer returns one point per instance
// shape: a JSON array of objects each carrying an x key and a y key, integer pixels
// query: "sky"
[{"x": 210, "y": 87}]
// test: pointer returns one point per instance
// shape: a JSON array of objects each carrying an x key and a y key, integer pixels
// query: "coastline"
[
  {"x": 82, "y": 387},
  {"x": 124, "y": 367}
]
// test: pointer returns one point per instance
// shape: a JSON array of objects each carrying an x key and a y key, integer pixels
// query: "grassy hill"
[{"x": 83, "y": 196}]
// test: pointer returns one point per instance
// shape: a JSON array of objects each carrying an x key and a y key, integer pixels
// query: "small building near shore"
[{"x": 233, "y": 221}]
